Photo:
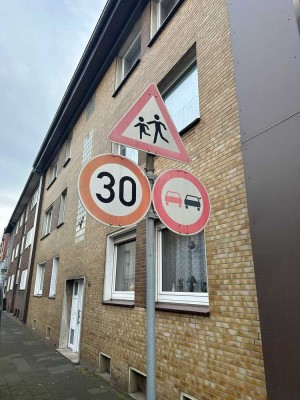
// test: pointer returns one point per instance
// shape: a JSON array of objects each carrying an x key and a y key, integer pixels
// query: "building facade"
[
  {"x": 21, "y": 229},
  {"x": 88, "y": 283}
]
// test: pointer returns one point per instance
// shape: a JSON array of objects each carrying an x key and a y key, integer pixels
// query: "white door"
[{"x": 75, "y": 319}]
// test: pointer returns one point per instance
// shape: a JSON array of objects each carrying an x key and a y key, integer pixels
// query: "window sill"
[
  {"x": 183, "y": 308},
  {"x": 60, "y": 224},
  {"x": 51, "y": 297},
  {"x": 119, "y": 303},
  {"x": 43, "y": 237},
  {"x": 126, "y": 77},
  {"x": 37, "y": 295},
  {"x": 189, "y": 126},
  {"x": 66, "y": 162},
  {"x": 51, "y": 183},
  {"x": 165, "y": 23}
]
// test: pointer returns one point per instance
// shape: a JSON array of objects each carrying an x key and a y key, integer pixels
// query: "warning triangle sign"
[{"x": 148, "y": 126}]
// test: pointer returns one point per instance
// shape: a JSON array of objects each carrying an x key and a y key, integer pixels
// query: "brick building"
[
  {"x": 88, "y": 291},
  {"x": 21, "y": 229}
]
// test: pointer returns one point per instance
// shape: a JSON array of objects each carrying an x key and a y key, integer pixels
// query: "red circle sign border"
[
  {"x": 187, "y": 230},
  {"x": 94, "y": 210}
]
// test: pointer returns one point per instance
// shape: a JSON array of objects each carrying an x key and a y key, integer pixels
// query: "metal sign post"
[{"x": 150, "y": 296}]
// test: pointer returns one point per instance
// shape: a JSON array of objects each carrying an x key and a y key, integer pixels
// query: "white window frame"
[
  {"x": 39, "y": 279},
  {"x": 189, "y": 68},
  {"x": 54, "y": 274},
  {"x": 177, "y": 297},
  {"x": 156, "y": 21},
  {"x": 68, "y": 148},
  {"x": 27, "y": 212},
  {"x": 34, "y": 199},
  {"x": 121, "y": 149},
  {"x": 113, "y": 241},
  {"x": 17, "y": 276},
  {"x": 21, "y": 221},
  {"x": 23, "y": 279},
  {"x": 62, "y": 207},
  {"x": 133, "y": 39},
  {"x": 22, "y": 244},
  {"x": 8, "y": 283},
  {"x": 13, "y": 255},
  {"x": 52, "y": 172},
  {"x": 28, "y": 240},
  {"x": 47, "y": 221},
  {"x": 17, "y": 250},
  {"x": 12, "y": 281}
]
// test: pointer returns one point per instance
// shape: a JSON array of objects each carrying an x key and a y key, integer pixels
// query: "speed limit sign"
[{"x": 114, "y": 190}]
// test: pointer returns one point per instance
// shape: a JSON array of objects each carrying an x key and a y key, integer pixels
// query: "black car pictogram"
[{"x": 192, "y": 201}]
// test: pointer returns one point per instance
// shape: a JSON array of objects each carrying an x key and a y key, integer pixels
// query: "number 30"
[{"x": 109, "y": 186}]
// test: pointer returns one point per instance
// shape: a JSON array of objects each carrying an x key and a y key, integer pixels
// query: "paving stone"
[
  {"x": 22, "y": 365},
  {"x": 97, "y": 390},
  {"x": 31, "y": 370},
  {"x": 60, "y": 369}
]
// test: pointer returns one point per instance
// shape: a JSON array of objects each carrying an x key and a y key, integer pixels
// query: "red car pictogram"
[{"x": 173, "y": 197}]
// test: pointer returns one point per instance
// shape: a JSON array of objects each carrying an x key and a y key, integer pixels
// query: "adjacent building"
[
  {"x": 21, "y": 230},
  {"x": 86, "y": 282}
]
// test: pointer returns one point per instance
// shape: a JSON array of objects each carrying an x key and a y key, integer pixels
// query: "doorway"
[
  {"x": 75, "y": 317},
  {"x": 71, "y": 323}
]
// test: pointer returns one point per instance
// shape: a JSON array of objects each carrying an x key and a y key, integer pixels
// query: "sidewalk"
[{"x": 32, "y": 369}]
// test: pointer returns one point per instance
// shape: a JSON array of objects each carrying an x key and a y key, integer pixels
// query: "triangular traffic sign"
[{"x": 148, "y": 126}]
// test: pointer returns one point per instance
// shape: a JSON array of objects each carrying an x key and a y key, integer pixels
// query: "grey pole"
[{"x": 150, "y": 298}]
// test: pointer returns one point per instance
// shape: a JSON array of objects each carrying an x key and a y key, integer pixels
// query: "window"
[
  {"x": 12, "y": 282},
  {"x": 182, "y": 100},
  {"x": 27, "y": 212},
  {"x": 129, "y": 54},
  {"x": 17, "y": 250},
  {"x": 47, "y": 221},
  {"x": 128, "y": 152},
  {"x": 62, "y": 206},
  {"x": 22, "y": 219},
  {"x": 120, "y": 266},
  {"x": 23, "y": 279},
  {"x": 68, "y": 148},
  {"x": 87, "y": 148},
  {"x": 39, "y": 280},
  {"x": 22, "y": 244},
  {"x": 34, "y": 199},
  {"x": 182, "y": 276},
  {"x": 52, "y": 291},
  {"x": 29, "y": 237},
  {"x": 13, "y": 255},
  {"x": 180, "y": 91},
  {"x": 17, "y": 276},
  {"x": 8, "y": 283},
  {"x": 160, "y": 10},
  {"x": 52, "y": 172}
]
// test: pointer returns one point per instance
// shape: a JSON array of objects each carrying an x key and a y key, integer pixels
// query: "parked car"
[
  {"x": 173, "y": 197},
  {"x": 192, "y": 201}
]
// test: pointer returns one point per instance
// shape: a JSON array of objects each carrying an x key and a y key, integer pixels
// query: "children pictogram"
[
  {"x": 142, "y": 127},
  {"x": 158, "y": 124}
]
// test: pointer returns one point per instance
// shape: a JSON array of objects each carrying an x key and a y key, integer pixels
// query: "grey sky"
[{"x": 41, "y": 42}]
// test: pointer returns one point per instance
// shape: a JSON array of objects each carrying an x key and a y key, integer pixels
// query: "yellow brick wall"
[{"x": 215, "y": 357}]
